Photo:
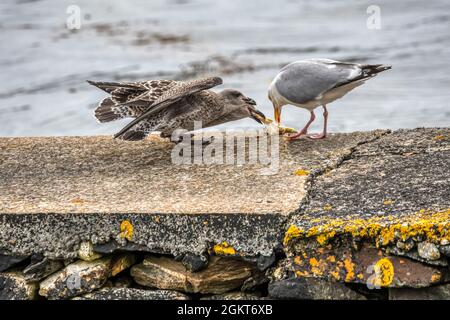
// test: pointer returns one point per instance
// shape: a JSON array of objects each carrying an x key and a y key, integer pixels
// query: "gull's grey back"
[{"x": 303, "y": 81}]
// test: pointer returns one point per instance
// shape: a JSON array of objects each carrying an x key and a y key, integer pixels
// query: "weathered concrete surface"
[
  {"x": 391, "y": 195},
  {"x": 102, "y": 175},
  {"x": 56, "y": 193}
]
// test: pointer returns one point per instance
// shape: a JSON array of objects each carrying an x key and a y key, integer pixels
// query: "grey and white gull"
[
  {"x": 168, "y": 105},
  {"x": 312, "y": 83}
]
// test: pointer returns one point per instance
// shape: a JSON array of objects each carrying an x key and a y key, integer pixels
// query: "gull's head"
[{"x": 241, "y": 106}]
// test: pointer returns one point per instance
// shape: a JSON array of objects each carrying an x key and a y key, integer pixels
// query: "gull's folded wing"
[{"x": 174, "y": 94}]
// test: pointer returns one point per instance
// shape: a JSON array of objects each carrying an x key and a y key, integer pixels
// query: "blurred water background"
[{"x": 44, "y": 65}]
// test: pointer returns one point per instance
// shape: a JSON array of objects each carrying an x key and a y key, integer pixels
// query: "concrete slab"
[
  {"x": 400, "y": 178},
  {"x": 388, "y": 198},
  {"x": 59, "y": 191},
  {"x": 102, "y": 175}
]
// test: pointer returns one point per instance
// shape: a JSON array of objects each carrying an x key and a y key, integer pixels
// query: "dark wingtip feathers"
[
  {"x": 130, "y": 135},
  {"x": 372, "y": 69},
  {"x": 104, "y": 112},
  {"x": 217, "y": 80}
]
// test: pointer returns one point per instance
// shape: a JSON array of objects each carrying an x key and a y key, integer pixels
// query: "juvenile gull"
[
  {"x": 316, "y": 82},
  {"x": 168, "y": 105}
]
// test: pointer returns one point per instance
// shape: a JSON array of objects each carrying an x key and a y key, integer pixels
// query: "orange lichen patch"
[
  {"x": 313, "y": 262},
  {"x": 388, "y": 202},
  {"x": 350, "y": 268},
  {"x": 301, "y": 172},
  {"x": 436, "y": 277},
  {"x": 384, "y": 273},
  {"x": 317, "y": 266},
  {"x": 331, "y": 258},
  {"x": 301, "y": 273},
  {"x": 316, "y": 271},
  {"x": 335, "y": 275},
  {"x": 77, "y": 201},
  {"x": 298, "y": 260},
  {"x": 439, "y": 137},
  {"x": 126, "y": 230},
  {"x": 224, "y": 249},
  {"x": 433, "y": 226},
  {"x": 360, "y": 276}
]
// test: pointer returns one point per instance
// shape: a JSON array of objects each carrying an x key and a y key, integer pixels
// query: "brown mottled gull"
[{"x": 168, "y": 105}]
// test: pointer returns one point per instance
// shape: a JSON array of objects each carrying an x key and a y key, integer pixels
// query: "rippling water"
[{"x": 44, "y": 65}]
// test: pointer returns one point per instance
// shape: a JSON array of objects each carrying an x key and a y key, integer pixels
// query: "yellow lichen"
[
  {"x": 335, "y": 275},
  {"x": 433, "y": 226},
  {"x": 301, "y": 273},
  {"x": 224, "y": 249},
  {"x": 126, "y": 230},
  {"x": 301, "y": 172},
  {"x": 327, "y": 207},
  {"x": 350, "y": 268},
  {"x": 384, "y": 273},
  {"x": 388, "y": 202},
  {"x": 77, "y": 201},
  {"x": 439, "y": 137},
  {"x": 317, "y": 266},
  {"x": 292, "y": 232},
  {"x": 313, "y": 262}
]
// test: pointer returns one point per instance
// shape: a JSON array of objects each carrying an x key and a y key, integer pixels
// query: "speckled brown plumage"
[{"x": 168, "y": 105}]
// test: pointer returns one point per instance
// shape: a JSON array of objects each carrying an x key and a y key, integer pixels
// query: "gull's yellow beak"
[{"x": 277, "y": 114}]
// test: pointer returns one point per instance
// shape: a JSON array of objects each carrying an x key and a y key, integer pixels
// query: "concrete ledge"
[
  {"x": 335, "y": 208},
  {"x": 66, "y": 190}
]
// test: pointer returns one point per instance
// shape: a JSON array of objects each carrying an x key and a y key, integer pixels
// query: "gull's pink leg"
[
  {"x": 305, "y": 129},
  {"x": 325, "y": 122}
]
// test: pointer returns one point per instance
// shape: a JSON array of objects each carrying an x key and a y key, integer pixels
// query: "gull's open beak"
[
  {"x": 277, "y": 113},
  {"x": 257, "y": 115}
]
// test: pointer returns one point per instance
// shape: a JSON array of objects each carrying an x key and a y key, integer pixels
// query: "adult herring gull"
[{"x": 316, "y": 82}]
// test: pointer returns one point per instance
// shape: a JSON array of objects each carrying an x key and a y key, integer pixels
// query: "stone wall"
[{"x": 356, "y": 216}]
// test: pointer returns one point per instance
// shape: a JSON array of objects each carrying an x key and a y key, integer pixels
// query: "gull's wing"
[
  {"x": 176, "y": 93},
  {"x": 129, "y": 99},
  {"x": 307, "y": 80}
]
